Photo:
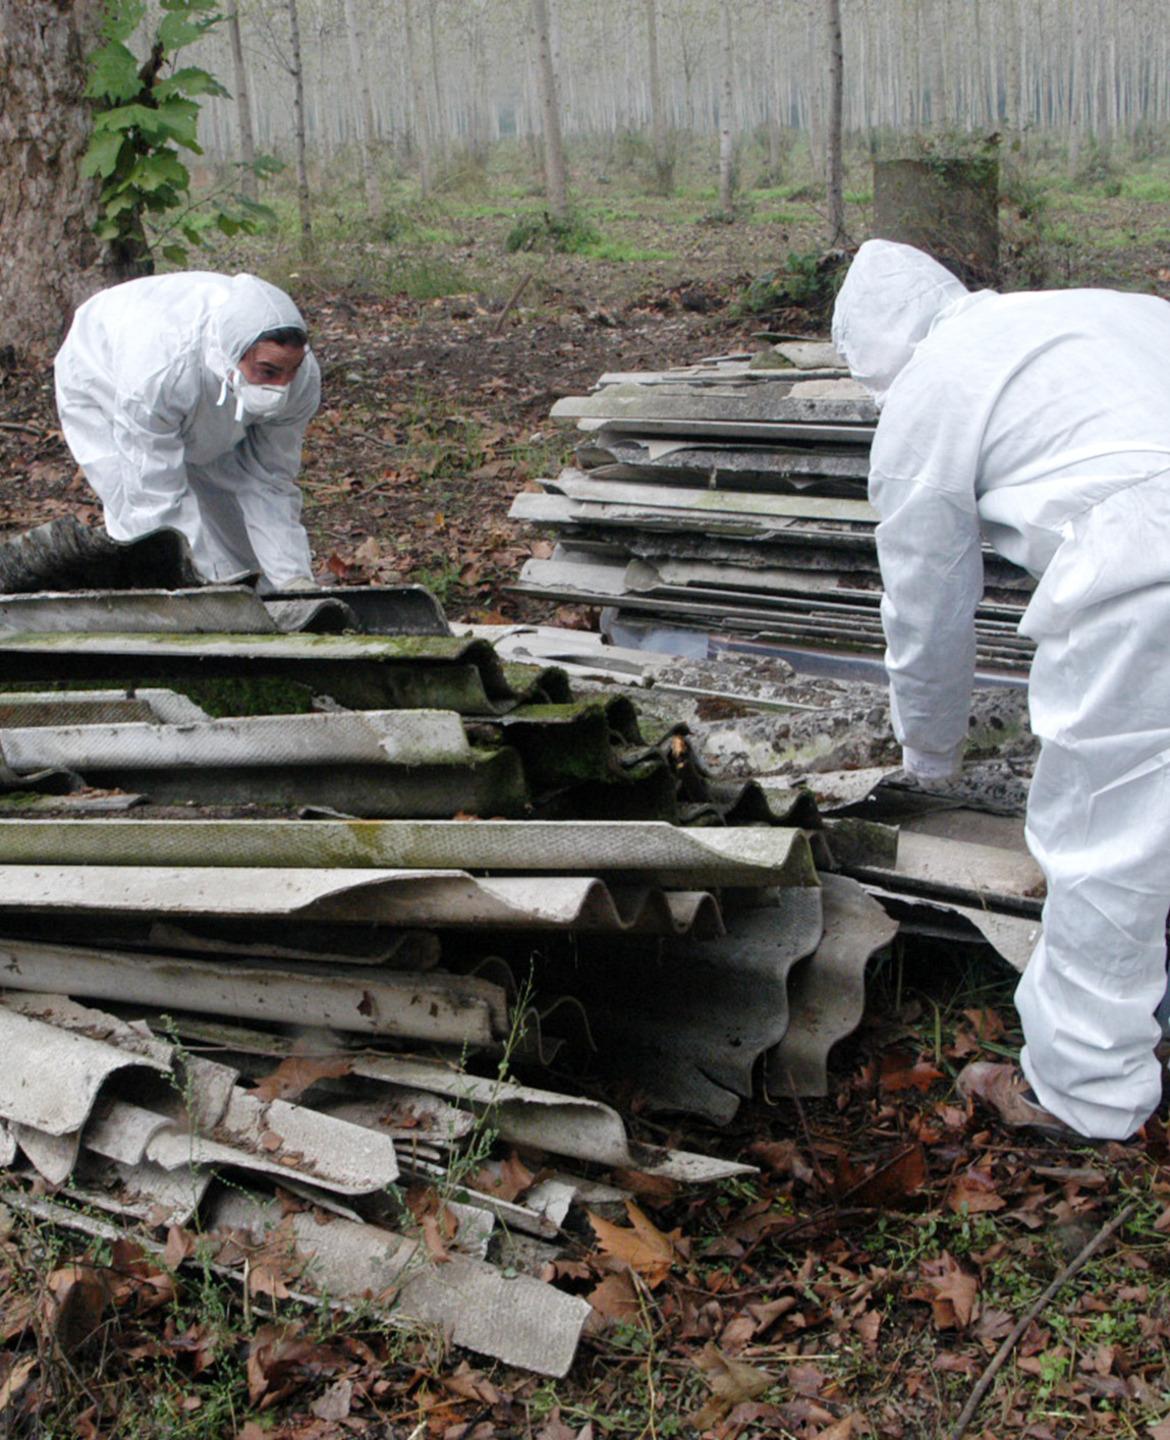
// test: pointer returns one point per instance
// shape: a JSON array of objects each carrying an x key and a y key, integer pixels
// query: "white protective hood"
[
  {"x": 891, "y": 300},
  {"x": 249, "y": 308}
]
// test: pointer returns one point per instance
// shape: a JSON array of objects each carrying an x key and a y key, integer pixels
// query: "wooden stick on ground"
[{"x": 1010, "y": 1343}]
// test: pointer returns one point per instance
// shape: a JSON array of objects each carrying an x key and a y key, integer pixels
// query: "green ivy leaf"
[{"x": 177, "y": 254}]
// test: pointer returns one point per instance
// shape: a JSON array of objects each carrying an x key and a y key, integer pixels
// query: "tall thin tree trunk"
[
  {"x": 555, "y": 182},
  {"x": 243, "y": 108},
  {"x": 833, "y": 128},
  {"x": 726, "y": 107},
  {"x": 663, "y": 168},
  {"x": 50, "y": 259},
  {"x": 421, "y": 129},
  {"x": 298, "y": 74},
  {"x": 438, "y": 131},
  {"x": 366, "y": 125}
]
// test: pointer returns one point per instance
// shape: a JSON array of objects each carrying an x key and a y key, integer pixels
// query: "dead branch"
[{"x": 1010, "y": 1343}]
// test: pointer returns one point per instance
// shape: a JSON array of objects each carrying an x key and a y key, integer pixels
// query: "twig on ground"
[
  {"x": 511, "y": 301},
  {"x": 25, "y": 429},
  {"x": 1001, "y": 1355}
]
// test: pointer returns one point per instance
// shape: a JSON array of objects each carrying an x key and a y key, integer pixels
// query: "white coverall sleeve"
[
  {"x": 929, "y": 548},
  {"x": 153, "y": 474},
  {"x": 261, "y": 474}
]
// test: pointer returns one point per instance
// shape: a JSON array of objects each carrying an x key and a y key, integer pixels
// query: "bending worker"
[
  {"x": 1039, "y": 422},
  {"x": 184, "y": 398}
]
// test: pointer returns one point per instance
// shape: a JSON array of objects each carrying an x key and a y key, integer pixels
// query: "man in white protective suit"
[
  {"x": 1039, "y": 422},
  {"x": 185, "y": 398}
]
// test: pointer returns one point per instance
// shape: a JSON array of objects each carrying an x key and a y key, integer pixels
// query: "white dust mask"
[{"x": 260, "y": 401}]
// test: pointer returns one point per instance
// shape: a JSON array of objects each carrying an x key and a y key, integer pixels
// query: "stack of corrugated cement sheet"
[
  {"x": 286, "y": 844},
  {"x": 722, "y": 499}
]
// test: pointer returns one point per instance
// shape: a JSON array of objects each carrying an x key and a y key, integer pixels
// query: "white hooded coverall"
[
  {"x": 1040, "y": 422},
  {"x": 148, "y": 410}
]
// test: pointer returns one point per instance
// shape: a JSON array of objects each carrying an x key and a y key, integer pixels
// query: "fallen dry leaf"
[
  {"x": 732, "y": 1382},
  {"x": 72, "y": 1307},
  {"x": 292, "y": 1077},
  {"x": 616, "y": 1298},
  {"x": 643, "y": 1247},
  {"x": 886, "y": 1184},
  {"x": 842, "y": 1429},
  {"x": 898, "y": 1074},
  {"x": 974, "y": 1191},
  {"x": 16, "y": 1379},
  {"x": 335, "y": 1403},
  {"x": 505, "y": 1179},
  {"x": 951, "y": 1291}
]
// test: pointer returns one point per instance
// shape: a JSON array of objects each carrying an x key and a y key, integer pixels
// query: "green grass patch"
[
  {"x": 1152, "y": 189},
  {"x": 427, "y": 278},
  {"x": 623, "y": 250}
]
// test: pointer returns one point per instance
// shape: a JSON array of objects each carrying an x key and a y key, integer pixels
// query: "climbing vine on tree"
[{"x": 147, "y": 114}]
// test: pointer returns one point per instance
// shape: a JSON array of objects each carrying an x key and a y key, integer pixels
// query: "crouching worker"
[
  {"x": 184, "y": 398},
  {"x": 1039, "y": 422}
]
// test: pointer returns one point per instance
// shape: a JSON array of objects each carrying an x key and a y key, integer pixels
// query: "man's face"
[{"x": 267, "y": 363}]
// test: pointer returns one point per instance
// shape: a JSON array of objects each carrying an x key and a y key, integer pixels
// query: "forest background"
[{"x": 481, "y": 205}]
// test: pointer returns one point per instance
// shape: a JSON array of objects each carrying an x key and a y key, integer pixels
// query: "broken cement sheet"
[
  {"x": 278, "y": 1138},
  {"x": 142, "y": 1192},
  {"x": 985, "y": 876},
  {"x": 687, "y": 1024},
  {"x": 520, "y": 1321},
  {"x": 659, "y": 852},
  {"x": 24, "y": 709},
  {"x": 235, "y": 609},
  {"x": 360, "y": 671},
  {"x": 767, "y": 401},
  {"x": 826, "y": 994},
  {"x": 410, "y": 898},
  {"x": 1012, "y": 937},
  {"x": 372, "y": 737},
  {"x": 432, "y": 1008},
  {"x": 578, "y": 485},
  {"x": 572, "y": 1126},
  {"x": 64, "y": 554},
  {"x": 36, "y": 1047}
]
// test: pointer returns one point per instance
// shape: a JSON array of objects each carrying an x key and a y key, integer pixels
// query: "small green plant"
[
  {"x": 569, "y": 235},
  {"x": 808, "y": 280},
  {"x": 147, "y": 112}
]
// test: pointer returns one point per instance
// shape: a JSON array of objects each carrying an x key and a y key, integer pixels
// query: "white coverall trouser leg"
[{"x": 1099, "y": 826}]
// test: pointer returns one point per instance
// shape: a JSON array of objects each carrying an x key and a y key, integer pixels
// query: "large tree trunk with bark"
[{"x": 50, "y": 259}]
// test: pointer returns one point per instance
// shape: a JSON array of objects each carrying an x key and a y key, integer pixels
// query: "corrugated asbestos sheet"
[
  {"x": 294, "y": 916},
  {"x": 727, "y": 499}
]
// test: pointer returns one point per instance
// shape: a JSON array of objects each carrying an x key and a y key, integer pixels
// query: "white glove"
[{"x": 928, "y": 765}]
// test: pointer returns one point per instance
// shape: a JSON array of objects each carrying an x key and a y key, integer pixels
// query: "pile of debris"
[
  {"x": 256, "y": 838},
  {"x": 292, "y": 891},
  {"x": 722, "y": 505}
]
